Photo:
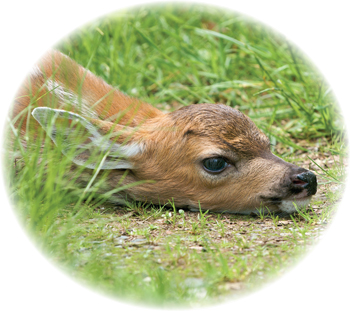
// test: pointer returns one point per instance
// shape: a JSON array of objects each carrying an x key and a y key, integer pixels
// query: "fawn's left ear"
[{"x": 93, "y": 146}]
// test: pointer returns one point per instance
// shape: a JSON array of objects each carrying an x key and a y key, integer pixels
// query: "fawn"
[{"x": 205, "y": 155}]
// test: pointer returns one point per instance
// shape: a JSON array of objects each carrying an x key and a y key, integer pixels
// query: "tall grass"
[{"x": 194, "y": 54}]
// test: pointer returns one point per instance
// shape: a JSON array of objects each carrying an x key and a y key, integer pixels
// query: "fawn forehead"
[{"x": 226, "y": 127}]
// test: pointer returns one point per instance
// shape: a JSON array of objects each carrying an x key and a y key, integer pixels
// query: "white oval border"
[{"x": 28, "y": 28}]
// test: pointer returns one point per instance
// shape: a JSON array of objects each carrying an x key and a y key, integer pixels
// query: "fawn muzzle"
[{"x": 307, "y": 180}]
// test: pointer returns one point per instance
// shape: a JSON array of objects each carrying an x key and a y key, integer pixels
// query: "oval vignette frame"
[{"x": 30, "y": 279}]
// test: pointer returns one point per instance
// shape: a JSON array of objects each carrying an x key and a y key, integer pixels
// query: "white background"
[{"x": 320, "y": 28}]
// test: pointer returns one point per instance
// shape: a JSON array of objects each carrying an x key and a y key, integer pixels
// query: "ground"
[{"x": 198, "y": 258}]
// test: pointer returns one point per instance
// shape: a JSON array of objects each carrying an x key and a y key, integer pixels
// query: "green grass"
[{"x": 170, "y": 57}]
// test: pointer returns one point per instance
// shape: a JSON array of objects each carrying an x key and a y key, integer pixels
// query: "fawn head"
[{"x": 207, "y": 155}]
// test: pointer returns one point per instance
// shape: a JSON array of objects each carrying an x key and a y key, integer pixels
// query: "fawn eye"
[{"x": 214, "y": 165}]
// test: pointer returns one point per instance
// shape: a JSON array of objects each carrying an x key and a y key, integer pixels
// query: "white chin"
[{"x": 289, "y": 206}]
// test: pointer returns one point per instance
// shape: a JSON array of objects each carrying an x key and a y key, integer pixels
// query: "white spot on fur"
[
  {"x": 35, "y": 72},
  {"x": 68, "y": 97},
  {"x": 289, "y": 206},
  {"x": 130, "y": 150}
]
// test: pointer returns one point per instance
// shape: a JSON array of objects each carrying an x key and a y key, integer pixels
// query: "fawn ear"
[{"x": 85, "y": 143}]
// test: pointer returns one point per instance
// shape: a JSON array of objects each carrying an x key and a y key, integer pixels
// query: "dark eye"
[{"x": 214, "y": 165}]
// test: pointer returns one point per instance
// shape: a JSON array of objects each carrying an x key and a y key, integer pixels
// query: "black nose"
[{"x": 310, "y": 182}]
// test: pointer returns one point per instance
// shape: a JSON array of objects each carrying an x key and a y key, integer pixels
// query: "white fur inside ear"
[{"x": 115, "y": 155}]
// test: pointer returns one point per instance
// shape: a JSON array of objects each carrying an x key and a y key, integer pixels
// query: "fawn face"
[{"x": 216, "y": 155}]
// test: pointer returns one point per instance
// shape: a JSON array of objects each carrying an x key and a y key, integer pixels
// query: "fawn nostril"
[{"x": 307, "y": 180}]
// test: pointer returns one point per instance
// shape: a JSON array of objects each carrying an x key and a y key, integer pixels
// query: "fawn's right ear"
[{"x": 82, "y": 141}]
